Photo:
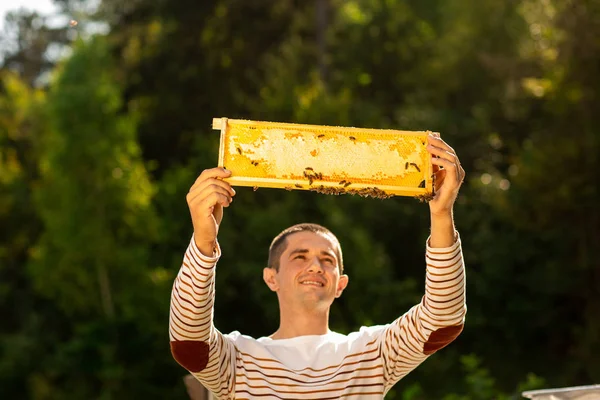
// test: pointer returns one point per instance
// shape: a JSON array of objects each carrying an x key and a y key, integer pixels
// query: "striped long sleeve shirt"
[{"x": 362, "y": 365}]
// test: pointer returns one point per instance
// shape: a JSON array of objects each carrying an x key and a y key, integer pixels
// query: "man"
[{"x": 303, "y": 359}]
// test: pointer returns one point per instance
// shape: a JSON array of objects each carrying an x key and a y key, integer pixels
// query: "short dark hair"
[{"x": 279, "y": 244}]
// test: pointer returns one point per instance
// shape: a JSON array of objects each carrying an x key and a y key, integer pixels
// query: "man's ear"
[
  {"x": 342, "y": 283},
  {"x": 269, "y": 276}
]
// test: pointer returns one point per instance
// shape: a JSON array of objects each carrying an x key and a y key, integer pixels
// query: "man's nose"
[{"x": 315, "y": 266}]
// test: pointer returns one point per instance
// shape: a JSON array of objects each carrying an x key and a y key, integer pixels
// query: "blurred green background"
[{"x": 104, "y": 126}]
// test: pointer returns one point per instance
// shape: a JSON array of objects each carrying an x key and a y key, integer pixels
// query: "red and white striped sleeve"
[
  {"x": 195, "y": 342},
  {"x": 433, "y": 323}
]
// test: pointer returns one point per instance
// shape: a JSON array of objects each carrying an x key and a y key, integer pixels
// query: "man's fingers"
[
  {"x": 450, "y": 167},
  {"x": 203, "y": 193},
  {"x": 440, "y": 152},
  {"x": 436, "y": 140},
  {"x": 208, "y": 183},
  {"x": 208, "y": 203},
  {"x": 218, "y": 172},
  {"x": 454, "y": 169},
  {"x": 215, "y": 173}
]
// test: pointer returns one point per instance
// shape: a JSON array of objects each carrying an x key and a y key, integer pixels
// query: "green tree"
[
  {"x": 21, "y": 124},
  {"x": 94, "y": 199},
  {"x": 553, "y": 196}
]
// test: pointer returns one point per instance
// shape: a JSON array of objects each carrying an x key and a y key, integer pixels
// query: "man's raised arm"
[
  {"x": 439, "y": 318},
  {"x": 195, "y": 343}
]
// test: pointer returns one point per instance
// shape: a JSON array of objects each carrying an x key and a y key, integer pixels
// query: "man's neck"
[{"x": 302, "y": 323}]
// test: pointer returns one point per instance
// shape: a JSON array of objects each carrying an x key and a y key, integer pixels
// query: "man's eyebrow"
[
  {"x": 304, "y": 251},
  {"x": 296, "y": 251}
]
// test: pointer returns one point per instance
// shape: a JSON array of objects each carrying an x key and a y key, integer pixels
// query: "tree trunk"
[{"x": 105, "y": 293}]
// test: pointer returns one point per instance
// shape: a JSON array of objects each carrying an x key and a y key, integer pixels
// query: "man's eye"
[
  {"x": 328, "y": 260},
  {"x": 301, "y": 257}
]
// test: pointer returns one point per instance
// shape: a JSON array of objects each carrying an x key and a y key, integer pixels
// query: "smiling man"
[
  {"x": 303, "y": 359},
  {"x": 306, "y": 271}
]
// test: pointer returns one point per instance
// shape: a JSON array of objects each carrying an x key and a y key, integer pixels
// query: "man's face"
[{"x": 308, "y": 273}]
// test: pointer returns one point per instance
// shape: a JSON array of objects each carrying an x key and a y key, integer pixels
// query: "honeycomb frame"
[{"x": 378, "y": 163}]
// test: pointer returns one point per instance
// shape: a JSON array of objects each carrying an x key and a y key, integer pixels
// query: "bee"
[
  {"x": 239, "y": 150},
  {"x": 321, "y": 135},
  {"x": 255, "y": 188},
  {"x": 406, "y": 165},
  {"x": 308, "y": 169},
  {"x": 422, "y": 184},
  {"x": 342, "y": 182},
  {"x": 255, "y": 163},
  {"x": 416, "y": 166},
  {"x": 298, "y": 186},
  {"x": 425, "y": 198},
  {"x": 352, "y": 138},
  {"x": 310, "y": 180},
  {"x": 319, "y": 176},
  {"x": 347, "y": 184}
]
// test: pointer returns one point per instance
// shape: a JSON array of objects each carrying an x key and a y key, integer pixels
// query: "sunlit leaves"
[{"x": 95, "y": 195}]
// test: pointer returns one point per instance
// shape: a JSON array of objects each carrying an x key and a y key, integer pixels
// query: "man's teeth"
[{"x": 312, "y": 283}]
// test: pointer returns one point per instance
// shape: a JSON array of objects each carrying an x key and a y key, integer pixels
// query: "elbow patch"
[
  {"x": 190, "y": 354},
  {"x": 441, "y": 338}
]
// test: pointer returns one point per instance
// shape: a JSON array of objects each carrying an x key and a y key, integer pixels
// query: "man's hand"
[
  {"x": 206, "y": 199},
  {"x": 447, "y": 180}
]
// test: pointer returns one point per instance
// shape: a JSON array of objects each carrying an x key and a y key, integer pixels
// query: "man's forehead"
[{"x": 308, "y": 239}]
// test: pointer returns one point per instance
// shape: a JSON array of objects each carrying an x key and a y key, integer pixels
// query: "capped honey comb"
[{"x": 327, "y": 159}]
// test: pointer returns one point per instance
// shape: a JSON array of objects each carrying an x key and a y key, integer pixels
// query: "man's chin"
[{"x": 316, "y": 300}]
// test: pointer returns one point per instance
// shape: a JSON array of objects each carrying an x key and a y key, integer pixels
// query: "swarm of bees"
[
  {"x": 364, "y": 192},
  {"x": 327, "y": 190},
  {"x": 311, "y": 175},
  {"x": 373, "y": 192},
  {"x": 425, "y": 198}
]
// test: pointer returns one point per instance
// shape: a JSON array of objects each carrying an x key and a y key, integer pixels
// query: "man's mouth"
[{"x": 312, "y": 283}]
